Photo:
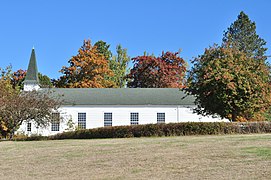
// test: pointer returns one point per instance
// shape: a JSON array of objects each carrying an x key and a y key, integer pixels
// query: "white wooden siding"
[{"x": 121, "y": 116}]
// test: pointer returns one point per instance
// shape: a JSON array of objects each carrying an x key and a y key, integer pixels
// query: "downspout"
[{"x": 178, "y": 114}]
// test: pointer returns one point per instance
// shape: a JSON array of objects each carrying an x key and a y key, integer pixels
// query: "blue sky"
[{"x": 57, "y": 28}]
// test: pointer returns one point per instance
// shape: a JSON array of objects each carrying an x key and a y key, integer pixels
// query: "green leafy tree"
[
  {"x": 45, "y": 81},
  {"x": 119, "y": 65},
  {"x": 229, "y": 83},
  {"x": 242, "y": 35},
  {"x": 103, "y": 48}
]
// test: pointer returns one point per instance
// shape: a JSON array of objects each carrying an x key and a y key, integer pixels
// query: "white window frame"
[
  {"x": 82, "y": 120},
  {"x": 55, "y": 124}
]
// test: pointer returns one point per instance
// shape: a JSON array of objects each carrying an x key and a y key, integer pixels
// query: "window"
[
  {"x": 107, "y": 119},
  {"x": 161, "y": 117},
  {"x": 82, "y": 120},
  {"x": 55, "y": 122},
  {"x": 29, "y": 127},
  {"x": 134, "y": 118}
]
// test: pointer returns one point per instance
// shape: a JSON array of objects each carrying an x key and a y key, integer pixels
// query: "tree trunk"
[
  {"x": 234, "y": 116},
  {"x": 11, "y": 135}
]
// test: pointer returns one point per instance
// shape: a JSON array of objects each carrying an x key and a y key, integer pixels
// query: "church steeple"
[{"x": 31, "y": 81}]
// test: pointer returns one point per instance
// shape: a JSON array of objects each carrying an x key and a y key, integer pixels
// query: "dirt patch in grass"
[{"x": 191, "y": 157}]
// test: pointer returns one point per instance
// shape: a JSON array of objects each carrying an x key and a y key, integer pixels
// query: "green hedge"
[{"x": 172, "y": 129}]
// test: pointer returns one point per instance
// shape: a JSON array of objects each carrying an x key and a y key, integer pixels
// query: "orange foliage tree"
[{"x": 87, "y": 69}]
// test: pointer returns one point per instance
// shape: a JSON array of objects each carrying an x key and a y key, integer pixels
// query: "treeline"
[{"x": 231, "y": 80}]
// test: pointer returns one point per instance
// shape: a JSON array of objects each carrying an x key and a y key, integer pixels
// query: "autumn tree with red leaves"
[
  {"x": 166, "y": 71},
  {"x": 18, "y": 77},
  {"x": 87, "y": 69}
]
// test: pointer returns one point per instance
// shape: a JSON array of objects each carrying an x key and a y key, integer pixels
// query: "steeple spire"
[{"x": 31, "y": 81}]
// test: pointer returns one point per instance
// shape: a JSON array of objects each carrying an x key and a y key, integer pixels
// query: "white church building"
[{"x": 86, "y": 108}]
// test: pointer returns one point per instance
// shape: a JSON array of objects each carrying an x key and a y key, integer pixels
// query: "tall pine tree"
[{"x": 242, "y": 35}]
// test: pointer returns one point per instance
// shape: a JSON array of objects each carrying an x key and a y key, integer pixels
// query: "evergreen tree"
[
  {"x": 242, "y": 35},
  {"x": 103, "y": 48}
]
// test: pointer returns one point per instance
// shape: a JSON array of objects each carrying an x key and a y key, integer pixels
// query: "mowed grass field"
[{"x": 189, "y": 157}]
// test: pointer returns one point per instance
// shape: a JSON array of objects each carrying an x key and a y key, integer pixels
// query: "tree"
[
  {"x": 87, "y": 69},
  {"x": 6, "y": 74},
  {"x": 242, "y": 35},
  {"x": 229, "y": 83},
  {"x": 18, "y": 77},
  {"x": 167, "y": 71},
  {"x": 103, "y": 48},
  {"x": 5, "y": 89},
  {"x": 45, "y": 81},
  {"x": 119, "y": 65},
  {"x": 18, "y": 106}
]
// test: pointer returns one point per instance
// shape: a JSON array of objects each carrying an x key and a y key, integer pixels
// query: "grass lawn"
[{"x": 189, "y": 157}]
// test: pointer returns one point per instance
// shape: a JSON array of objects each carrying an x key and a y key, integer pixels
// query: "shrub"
[
  {"x": 171, "y": 129},
  {"x": 151, "y": 130},
  {"x": 33, "y": 137}
]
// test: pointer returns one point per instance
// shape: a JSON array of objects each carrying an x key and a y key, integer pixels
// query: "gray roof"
[
  {"x": 32, "y": 70},
  {"x": 123, "y": 96}
]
